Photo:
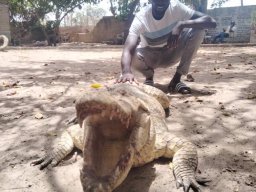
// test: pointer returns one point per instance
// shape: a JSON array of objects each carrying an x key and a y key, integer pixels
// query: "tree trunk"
[
  {"x": 198, "y": 5},
  {"x": 132, "y": 6},
  {"x": 203, "y": 5},
  {"x": 112, "y": 9}
]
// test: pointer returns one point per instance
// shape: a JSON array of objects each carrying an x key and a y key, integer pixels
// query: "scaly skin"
[{"x": 121, "y": 127}]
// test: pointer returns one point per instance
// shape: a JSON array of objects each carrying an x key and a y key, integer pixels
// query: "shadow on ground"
[{"x": 220, "y": 123}]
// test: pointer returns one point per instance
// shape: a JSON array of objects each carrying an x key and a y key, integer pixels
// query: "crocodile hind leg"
[{"x": 62, "y": 148}]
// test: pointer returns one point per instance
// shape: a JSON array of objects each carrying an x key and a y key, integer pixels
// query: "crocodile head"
[{"x": 116, "y": 126}]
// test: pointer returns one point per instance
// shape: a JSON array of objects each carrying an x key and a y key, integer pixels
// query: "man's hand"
[
  {"x": 127, "y": 77},
  {"x": 172, "y": 41}
]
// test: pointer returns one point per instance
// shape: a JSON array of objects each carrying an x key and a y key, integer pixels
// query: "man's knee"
[
  {"x": 193, "y": 39},
  {"x": 196, "y": 35},
  {"x": 137, "y": 62}
]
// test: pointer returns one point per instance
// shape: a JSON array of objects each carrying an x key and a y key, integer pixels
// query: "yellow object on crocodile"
[{"x": 96, "y": 85}]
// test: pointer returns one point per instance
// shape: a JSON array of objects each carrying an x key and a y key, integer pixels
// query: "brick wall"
[
  {"x": 109, "y": 27},
  {"x": 241, "y": 15},
  {"x": 4, "y": 20},
  {"x": 106, "y": 30}
]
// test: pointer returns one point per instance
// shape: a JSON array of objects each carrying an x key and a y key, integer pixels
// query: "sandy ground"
[{"x": 38, "y": 88}]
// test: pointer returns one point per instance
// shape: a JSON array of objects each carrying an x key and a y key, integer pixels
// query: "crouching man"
[{"x": 169, "y": 33}]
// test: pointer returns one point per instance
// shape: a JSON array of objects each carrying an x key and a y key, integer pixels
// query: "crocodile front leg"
[
  {"x": 183, "y": 153},
  {"x": 63, "y": 147},
  {"x": 184, "y": 166},
  {"x": 184, "y": 163}
]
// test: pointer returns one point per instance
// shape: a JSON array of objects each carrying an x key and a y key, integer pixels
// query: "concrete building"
[
  {"x": 244, "y": 18},
  {"x": 4, "y": 19}
]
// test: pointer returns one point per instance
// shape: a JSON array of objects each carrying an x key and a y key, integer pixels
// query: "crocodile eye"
[{"x": 123, "y": 92}]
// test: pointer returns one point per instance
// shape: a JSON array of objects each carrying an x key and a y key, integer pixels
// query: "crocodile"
[{"x": 120, "y": 127}]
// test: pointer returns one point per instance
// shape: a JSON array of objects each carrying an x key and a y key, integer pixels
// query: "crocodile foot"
[
  {"x": 45, "y": 161},
  {"x": 193, "y": 183}
]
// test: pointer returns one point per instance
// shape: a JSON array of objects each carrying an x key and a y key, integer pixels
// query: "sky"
[
  {"x": 231, "y": 3},
  {"x": 234, "y": 3}
]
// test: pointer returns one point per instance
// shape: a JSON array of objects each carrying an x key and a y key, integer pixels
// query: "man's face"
[{"x": 159, "y": 6}]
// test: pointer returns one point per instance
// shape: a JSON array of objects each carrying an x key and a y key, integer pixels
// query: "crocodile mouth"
[{"x": 108, "y": 140}]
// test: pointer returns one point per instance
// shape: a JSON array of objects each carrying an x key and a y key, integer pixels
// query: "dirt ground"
[{"x": 37, "y": 92}]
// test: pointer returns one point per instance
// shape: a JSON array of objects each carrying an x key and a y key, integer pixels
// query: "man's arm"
[
  {"x": 197, "y": 21},
  {"x": 128, "y": 52}
]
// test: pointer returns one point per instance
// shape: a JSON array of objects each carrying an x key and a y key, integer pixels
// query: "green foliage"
[
  {"x": 88, "y": 15},
  {"x": 199, "y": 5},
  {"x": 37, "y": 32},
  {"x": 23, "y": 10},
  {"x": 218, "y": 3},
  {"x": 31, "y": 14},
  {"x": 29, "y": 9},
  {"x": 123, "y": 9}
]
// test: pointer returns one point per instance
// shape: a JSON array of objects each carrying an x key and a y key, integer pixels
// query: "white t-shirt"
[{"x": 154, "y": 33}]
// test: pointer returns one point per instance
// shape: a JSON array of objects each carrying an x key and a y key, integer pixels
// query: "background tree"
[
  {"x": 124, "y": 9},
  {"x": 35, "y": 12},
  {"x": 25, "y": 17},
  {"x": 199, "y": 5},
  {"x": 218, "y": 3},
  {"x": 88, "y": 16}
]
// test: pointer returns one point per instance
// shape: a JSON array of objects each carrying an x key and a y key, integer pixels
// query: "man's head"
[{"x": 159, "y": 7}]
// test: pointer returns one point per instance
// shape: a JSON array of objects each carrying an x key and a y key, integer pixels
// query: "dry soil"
[{"x": 37, "y": 92}]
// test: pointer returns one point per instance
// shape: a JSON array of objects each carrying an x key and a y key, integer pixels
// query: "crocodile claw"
[
  {"x": 44, "y": 162},
  {"x": 178, "y": 183},
  {"x": 188, "y": 183}
]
